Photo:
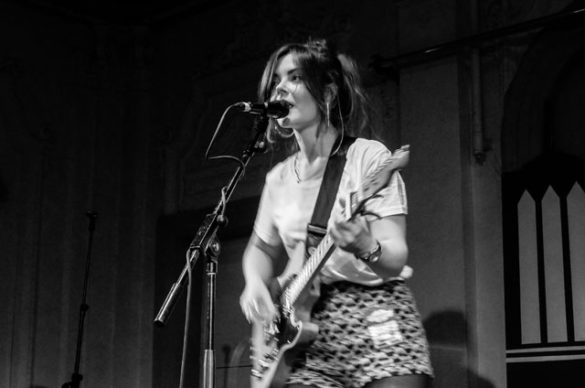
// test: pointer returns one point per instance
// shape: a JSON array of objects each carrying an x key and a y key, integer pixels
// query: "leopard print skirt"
[{"x": 365, "y": 334}]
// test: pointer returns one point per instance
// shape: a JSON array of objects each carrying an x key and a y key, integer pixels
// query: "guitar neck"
[{"x": 308, "y": 272}]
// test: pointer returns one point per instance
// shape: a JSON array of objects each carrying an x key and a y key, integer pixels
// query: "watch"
[{"x": 371, "y": 256}]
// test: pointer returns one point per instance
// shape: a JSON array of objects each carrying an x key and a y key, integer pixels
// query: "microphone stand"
[
  {"x": 206, "y": 243},
  {"x": 75, "y": 376}
]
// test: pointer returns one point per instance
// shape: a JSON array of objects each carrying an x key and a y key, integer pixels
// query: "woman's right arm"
[{"x": 256, "y": 301}]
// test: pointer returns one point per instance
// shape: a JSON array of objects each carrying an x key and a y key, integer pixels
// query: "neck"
[{"x": 316, "y": 142}]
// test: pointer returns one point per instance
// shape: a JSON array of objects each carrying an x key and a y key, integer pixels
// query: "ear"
[{"x": 330, "y": 93}]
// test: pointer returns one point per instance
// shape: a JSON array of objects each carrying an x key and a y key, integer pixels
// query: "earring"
[{"x": 328, "y": 113}]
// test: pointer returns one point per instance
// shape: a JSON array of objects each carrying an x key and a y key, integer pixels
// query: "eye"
[{"x": 296, "y": 77}]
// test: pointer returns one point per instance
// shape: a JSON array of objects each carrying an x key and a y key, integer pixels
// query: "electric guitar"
[{"x": 275, "y": 344}]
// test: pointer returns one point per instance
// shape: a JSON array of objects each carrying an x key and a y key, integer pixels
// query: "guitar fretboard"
[{"x": 297, "y": 285}]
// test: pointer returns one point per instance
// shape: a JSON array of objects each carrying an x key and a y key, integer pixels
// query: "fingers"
[
  {"x": 351, "y": 228},
  {"x": 351, "y": 235},
  {"x": 257, "y": 308},
  {"x": 343, "y": 235},
  {"x": 251, "y": 311}
]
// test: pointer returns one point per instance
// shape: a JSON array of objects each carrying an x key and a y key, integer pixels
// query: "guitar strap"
[{"x": 317, "y": 228}]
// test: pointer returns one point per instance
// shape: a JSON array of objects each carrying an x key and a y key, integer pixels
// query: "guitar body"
[{"x": 275, "y": 345}]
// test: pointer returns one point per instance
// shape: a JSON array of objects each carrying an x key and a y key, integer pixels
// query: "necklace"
[{"x": 296, "y": 167}]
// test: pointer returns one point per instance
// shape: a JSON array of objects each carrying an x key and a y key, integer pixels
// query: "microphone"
[{"x": 273, "y": 109}]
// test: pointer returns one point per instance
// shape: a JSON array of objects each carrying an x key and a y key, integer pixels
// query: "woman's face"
[{"x": 289, "y": 86}]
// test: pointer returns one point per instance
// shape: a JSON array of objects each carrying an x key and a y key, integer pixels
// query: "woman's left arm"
[{"x": 390, "y": 233}]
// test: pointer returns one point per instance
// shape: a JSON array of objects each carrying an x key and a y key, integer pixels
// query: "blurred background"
[{"x": 109, "y": 106}]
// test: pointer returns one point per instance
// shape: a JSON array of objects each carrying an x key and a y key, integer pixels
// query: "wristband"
[{"x": 373, "y": 255}]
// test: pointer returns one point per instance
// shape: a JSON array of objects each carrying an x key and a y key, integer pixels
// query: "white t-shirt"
[{"x": 286, "y": 207}]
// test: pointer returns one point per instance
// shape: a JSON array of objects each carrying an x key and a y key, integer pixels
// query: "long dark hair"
[{"x": 321, "y": 66}]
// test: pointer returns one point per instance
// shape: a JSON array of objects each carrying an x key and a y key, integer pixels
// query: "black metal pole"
[
  {"x": 207, "y": 230},
  {"x": 76, "y": 377},
  {"x": 209, "y": 323}
]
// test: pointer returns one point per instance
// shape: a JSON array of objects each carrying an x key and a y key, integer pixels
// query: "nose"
[{"x": 280, "y": 90}]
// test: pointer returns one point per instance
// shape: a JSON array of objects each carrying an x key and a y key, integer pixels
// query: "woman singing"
[{"x": 370, "y": 332}]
